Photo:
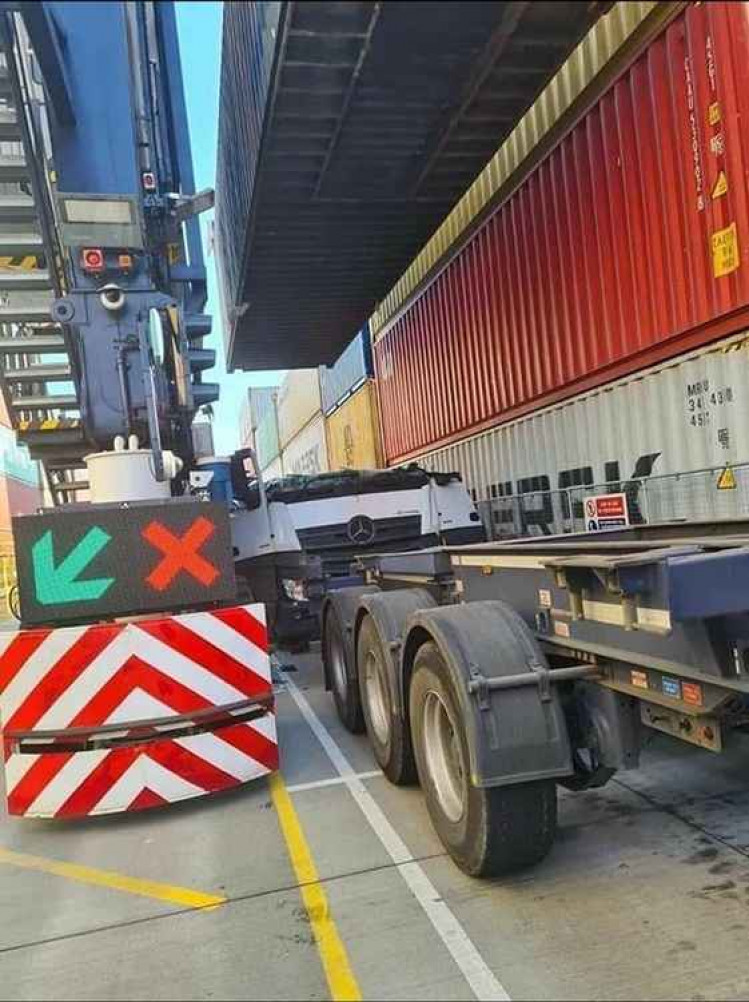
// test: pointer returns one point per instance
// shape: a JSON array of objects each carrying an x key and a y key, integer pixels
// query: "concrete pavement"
[{"x": 645, "y": 895}]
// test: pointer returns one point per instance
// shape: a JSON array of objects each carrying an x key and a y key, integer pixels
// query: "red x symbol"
[{"x": 180, "y": 554}]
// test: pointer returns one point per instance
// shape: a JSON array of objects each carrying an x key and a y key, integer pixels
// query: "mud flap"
[{"x": 514, "y": 735}]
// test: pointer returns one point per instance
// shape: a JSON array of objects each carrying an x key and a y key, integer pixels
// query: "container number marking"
[
  {"x": 671, "y": 687},
  {"x": 639, "y": 679}
]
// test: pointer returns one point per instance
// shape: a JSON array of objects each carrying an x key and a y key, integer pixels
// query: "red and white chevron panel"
[{"x": 120, "y": 687}]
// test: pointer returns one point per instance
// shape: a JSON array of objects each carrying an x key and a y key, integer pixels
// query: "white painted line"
[
  {"x": 474, "y": 969},
  {"x": 333, "y": 781}
]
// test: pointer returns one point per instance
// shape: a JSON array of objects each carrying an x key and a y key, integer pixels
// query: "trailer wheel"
[
  {"x": 388, "y": 731},
  {"x": 487, "y": 831},
  {"x": 342, "y": 675}
]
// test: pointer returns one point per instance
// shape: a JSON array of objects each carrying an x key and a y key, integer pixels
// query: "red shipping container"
[{"x": 629, "y": 244}]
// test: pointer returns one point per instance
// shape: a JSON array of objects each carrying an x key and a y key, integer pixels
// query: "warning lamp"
[
  {"x": 149, "y": 181},
  {"x": 92, "y": 259}
]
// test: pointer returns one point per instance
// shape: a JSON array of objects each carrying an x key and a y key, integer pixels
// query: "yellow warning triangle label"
[
  {"x": 727, "y": 480},
  {"x": 721, "y": 186}
]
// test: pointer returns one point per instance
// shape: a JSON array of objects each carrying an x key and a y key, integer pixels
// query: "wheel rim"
[
  {"x": 444, "y": 756},
  {"x": 378, "y": 702},
  {"x": 338, "y": 664}
]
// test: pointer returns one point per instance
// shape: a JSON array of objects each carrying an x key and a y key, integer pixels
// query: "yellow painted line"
[
  {"x": 341, "y": 981},
  {"x": 182, "y": 896}
]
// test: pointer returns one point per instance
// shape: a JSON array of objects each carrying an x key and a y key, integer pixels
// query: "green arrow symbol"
[{"x": 55, "y": 585}]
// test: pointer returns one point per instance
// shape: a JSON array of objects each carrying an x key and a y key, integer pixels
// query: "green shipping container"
[{"x": 266, "y": 438}]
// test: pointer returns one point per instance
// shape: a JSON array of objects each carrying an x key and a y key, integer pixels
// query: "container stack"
[
  {"x": 265, "y": 437},
  {"x": 259, "y": 400},
  {"x": 349, "y": 403},
  {"x": 301, "y": 426},
  {"x": 593, "y": 328},
  {"x": 20, "y": 494}
]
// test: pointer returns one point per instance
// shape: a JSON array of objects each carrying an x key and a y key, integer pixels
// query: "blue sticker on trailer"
[{"x": 671, "y": 687}]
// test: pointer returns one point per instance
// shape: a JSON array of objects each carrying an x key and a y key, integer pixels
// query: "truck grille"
[{"x": 333, "y": 545}]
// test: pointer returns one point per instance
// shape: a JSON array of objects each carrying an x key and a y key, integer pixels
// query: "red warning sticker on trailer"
[{"x": 691, "y": 692}]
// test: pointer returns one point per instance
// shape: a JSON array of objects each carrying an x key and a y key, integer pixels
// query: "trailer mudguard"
[
  {"x": 514, "y": 735},
  {"x": 345, "y": 603},
  {"x": 391, "y": 611}
]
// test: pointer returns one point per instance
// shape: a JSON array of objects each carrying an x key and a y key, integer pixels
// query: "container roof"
[{"x": 380, "y": 115}]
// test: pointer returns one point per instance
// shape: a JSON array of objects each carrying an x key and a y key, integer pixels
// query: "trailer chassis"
[{"x": 493, "y": 672}]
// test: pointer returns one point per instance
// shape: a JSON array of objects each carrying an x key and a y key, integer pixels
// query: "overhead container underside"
[
  {"x": 627, "y": 245},
  {"x": 347, "y": 132}
]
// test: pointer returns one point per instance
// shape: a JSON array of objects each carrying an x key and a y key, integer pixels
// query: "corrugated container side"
[
  {"x": 352, "y": 368},
  {"x": 202, "y": 439},
  {"x": 307, "y": 452},
  {"x": 266, "y": 439},
  {"x": 15, "y": 461},
  {"x": 627, "y": 245},
  {"x": 274, "y": 470},
  {"x": 16, "y": 498},
  {"x": 298, "y": 402},
  {"x": 250, "y": 35},
  {"x": 581, "y": 71},
  {"x": 261, "y": 398},
  {"x": 247, "y": 439},
  {"x": 20, "y": 486},
  {"x": 688, "y": 414},
  {"x": 353, "y": 432},
  {"x": 245, "y": 422}
]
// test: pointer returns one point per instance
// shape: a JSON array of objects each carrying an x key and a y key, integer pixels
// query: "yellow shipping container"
[{"x": 353, "y": 432}]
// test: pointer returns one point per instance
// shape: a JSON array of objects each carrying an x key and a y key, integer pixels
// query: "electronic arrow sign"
[{"x": 103, "y": 561}]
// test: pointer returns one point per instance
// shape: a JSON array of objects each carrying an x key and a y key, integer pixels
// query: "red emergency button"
[{"x": 92, "y": 259}]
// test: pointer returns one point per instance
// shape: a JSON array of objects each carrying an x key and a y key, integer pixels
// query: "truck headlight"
[{"x": 295, "y": 589}]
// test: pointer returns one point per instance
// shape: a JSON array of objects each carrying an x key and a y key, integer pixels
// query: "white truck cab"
[{"x": 340, "y": 516}]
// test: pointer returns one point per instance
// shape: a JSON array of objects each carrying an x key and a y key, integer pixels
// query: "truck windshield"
[{"x": 344, "y": 483}]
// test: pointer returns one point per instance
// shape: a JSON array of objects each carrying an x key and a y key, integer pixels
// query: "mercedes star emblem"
[{"x": 361, "y": 530}]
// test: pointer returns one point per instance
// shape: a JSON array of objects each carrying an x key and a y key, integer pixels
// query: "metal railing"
[{"x": 676, "y": 497}]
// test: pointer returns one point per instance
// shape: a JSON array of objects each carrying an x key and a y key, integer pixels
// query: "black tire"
[
  {"x": 388, "y": 731},
  {"x": 342, "y": 675},
  {"x": 488, "y": 832}
]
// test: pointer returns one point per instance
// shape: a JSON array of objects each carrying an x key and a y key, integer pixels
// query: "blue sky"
[{"x": 199, "y": 26}]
